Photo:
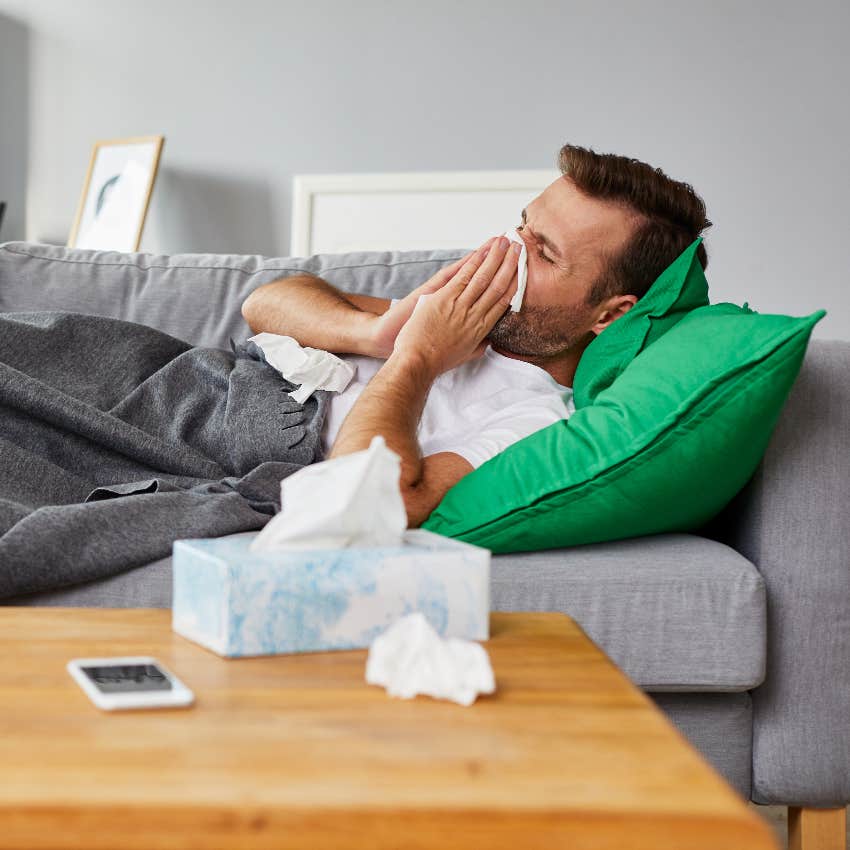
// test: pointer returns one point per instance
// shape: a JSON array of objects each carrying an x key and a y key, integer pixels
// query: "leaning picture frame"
[{"x": 116, "y": 194}]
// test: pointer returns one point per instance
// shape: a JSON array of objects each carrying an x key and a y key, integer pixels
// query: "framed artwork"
[
  {"x": 407, "y": 211},
  {"x": 116, "y": 194}
]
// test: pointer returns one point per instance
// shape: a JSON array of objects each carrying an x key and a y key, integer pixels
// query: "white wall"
[
  {"x": 14, "y": 125},
  {"x": 745, "y": 100}
]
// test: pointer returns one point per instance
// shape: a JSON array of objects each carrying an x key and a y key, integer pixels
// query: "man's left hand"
[{"x": 450, "y": 326}]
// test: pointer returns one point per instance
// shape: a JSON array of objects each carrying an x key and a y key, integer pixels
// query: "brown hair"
[{"x": 670, "y": 216}]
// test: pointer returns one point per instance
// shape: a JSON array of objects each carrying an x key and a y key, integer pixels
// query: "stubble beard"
[{"x": 538, "y": 332}]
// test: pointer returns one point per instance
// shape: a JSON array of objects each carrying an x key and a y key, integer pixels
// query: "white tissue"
[
  {"x": 313, "y": 368},
  {"x": 410, "y": 658},
  {"x": 522, "y": 272},
  {"x": 353, "y": 500}
]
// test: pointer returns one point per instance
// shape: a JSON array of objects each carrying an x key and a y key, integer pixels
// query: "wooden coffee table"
[{"x": 297, "y": 751}]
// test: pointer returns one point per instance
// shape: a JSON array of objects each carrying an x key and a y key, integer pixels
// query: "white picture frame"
[
  {"x": 406, "y": 211},
  {"x": 116, "y": 194}
]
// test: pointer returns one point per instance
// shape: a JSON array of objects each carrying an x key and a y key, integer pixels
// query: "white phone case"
[{"x": 178, "y": 695}]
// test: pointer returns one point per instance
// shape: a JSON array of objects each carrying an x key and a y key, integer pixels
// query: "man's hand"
[
  {"x": 451, "y": 325},
  {"x": 386, "y": 327}
]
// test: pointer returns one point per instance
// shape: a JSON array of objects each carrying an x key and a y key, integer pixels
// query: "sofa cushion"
[
  {"x": 194, "y": 297},
  {"x": 675, "y": 612}
]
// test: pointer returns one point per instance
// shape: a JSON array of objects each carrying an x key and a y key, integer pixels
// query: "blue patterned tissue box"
[{"x": 237, "y": 602}]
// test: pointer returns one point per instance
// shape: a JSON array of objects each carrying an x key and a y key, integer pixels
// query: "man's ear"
[{"x": 611, "y": 310}]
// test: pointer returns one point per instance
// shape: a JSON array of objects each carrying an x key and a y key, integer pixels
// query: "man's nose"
[{"x": 523, "y": 234}]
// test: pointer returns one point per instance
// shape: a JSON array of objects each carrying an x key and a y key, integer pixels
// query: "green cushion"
[
  {"x": 672, "y": 439},
  {"x": 680, "y": 288}
]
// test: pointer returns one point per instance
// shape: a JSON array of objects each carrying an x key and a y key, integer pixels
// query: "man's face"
[{"x": 568, "y": 236}]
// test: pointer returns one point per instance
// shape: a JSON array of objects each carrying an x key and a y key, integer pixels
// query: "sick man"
[{"x": 452, "y": 379}]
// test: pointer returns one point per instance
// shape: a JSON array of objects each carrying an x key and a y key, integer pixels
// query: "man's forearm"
[
  {"x": 390, "y": 405},
  {"x": 311, "y": 311}
]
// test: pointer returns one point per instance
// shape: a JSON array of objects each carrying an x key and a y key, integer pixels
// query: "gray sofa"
[{"x": 740, "y": 633}]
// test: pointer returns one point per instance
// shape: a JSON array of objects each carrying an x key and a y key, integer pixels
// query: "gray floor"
[{"x": 777, "y": 817}]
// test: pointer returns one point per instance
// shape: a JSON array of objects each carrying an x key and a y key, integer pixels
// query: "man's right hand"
[{"x": 386, "y": 327}]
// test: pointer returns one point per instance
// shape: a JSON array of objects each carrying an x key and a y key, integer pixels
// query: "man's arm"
[
  {"x": 316, "y": 314},
  {"x": 391, "y": 405},
  {"x": 450, "y": 329}
]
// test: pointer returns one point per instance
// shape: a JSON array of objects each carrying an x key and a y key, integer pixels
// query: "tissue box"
[{"x": 237, "y": 602}]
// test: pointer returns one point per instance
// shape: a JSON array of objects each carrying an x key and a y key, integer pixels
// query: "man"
[{"x": 597, "y": 238}]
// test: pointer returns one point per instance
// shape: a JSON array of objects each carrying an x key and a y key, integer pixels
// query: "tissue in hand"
[
  {"x": 313, "y": 368},
  {"x": 522, "y": 272},
  {"x": 353, "y": 500},
  {"x": 410, "y": 658}
]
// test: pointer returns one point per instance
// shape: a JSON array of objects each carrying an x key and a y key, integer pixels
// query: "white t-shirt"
[{"x": 475, "y": 410}]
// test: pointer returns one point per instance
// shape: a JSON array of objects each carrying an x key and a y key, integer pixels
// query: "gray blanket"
[{"x": 117, "y": 439}]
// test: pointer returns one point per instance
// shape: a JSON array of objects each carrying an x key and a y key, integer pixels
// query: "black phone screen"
[{"x": 121, "y": 678}]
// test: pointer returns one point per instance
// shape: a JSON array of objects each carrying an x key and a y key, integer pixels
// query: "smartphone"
[{"x": 137, "y": 682}]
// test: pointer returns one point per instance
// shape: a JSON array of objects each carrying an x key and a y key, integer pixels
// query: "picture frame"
[
  {"x": 407, "y": 211},
  {"x": 116, "y": 194}
]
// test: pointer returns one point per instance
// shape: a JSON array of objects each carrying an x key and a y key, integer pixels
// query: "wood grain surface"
[{"x": 298, "y": 751}]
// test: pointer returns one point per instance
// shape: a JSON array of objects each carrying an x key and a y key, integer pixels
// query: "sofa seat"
[{"x": 675, "y": 612}]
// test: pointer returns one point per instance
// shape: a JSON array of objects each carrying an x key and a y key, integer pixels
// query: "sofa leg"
[{"x": 817, "y": 829}]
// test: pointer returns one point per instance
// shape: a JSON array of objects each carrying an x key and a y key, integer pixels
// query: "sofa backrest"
[{"x": 194, "y": 297}]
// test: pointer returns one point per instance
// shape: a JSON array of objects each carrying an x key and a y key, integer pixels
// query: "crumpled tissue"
[
  {"x": 352, "y": 500},
  {"x": 312, "y": 368},
  {"x": 522, "y": 272},
  {"x": 410, "y": 658}
]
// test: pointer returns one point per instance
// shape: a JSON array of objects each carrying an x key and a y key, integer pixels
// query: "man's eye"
[{"x": 543, "y": 256}]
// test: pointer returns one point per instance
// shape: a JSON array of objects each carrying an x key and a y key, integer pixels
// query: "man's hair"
[{"x": 670, "y": 215}]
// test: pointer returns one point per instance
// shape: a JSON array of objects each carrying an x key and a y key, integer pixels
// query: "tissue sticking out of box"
[
  {"x": 352, "y": 500},
  {"x": 410, "y": 658},
  {"x": 312, "y": 368}
]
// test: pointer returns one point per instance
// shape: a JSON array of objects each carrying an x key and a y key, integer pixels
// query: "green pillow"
[
  {"x": 680, "y": 288},
  {"x": 662, "y": 449}
]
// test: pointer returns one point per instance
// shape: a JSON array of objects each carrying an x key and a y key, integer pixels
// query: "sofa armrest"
[{"x": 793, "y": 522}]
